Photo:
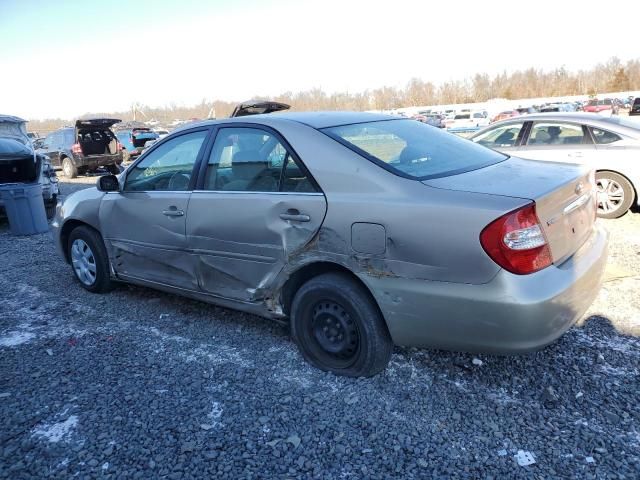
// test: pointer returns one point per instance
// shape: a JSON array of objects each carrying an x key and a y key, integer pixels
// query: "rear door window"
[
  {"x": 168, "y": 167},
  {"x": 254, "y": 160},
  {"x": 556, "y": 133},
  {"x": 604, "y": 137},
  {"x": 68, "y": 137}
]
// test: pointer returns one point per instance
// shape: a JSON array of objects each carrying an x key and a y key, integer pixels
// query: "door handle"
[
  {"x": 294, "y": 215},
  {"x": 173, "y": 212},
  {"x": 576, "y": 154}
]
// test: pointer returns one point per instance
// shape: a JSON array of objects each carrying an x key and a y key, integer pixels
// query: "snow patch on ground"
[
  {"x": 166, "y": 337},
  {"x": 55, "y": 432},
  {"x": 215, "y": 355},
  {"x": 213, "y": 418},
  {"x": 16, "y": 337},
  {"x": 619, "y": 343}
]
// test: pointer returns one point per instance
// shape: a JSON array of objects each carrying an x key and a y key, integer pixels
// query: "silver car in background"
[
  {"x": 361, "y": 230},
  {"x": 610, "y": 145}
]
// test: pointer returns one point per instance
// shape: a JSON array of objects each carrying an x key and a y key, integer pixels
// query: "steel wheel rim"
[
  {"x": 83, "y": 261},
  {"x": 610, "y": 195},
  {"x": 334, "y": 334},
  {"x": 67, "y": 168}
]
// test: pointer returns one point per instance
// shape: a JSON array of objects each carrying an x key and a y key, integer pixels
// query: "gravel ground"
[{"x": 141, "y": 384}]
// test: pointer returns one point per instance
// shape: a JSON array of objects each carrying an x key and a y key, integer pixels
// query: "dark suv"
[
  {"x": 88, "y": 145},
  {"x": 635, "y": 107}
]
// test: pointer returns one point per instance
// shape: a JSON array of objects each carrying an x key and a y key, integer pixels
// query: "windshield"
[{"x": 413, "y": 149}]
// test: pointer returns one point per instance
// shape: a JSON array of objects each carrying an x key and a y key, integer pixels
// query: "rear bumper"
[
  {"x": 510, "y": 314},
  {"x": 95, "y": 161}
]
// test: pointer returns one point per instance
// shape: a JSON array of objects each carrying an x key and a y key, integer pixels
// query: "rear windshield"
[
  {"x": 9, "y": 147},
  {"x": 413, "y": 149},
  {"x": 629, "y": 122}
]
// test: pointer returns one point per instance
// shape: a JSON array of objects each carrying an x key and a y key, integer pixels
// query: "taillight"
[
  {"x": 516, "y": 241},
  {"x": 76, "y": 148}
]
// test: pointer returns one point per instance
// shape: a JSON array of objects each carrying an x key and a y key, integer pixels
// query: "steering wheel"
[{"x": 179, "y": 182}]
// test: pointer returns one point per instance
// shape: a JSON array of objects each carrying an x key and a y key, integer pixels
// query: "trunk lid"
[
  {"x": 564, "y": 194},
  {"x": 97, "y": 122},
  {"x": 257, "y": 107}
]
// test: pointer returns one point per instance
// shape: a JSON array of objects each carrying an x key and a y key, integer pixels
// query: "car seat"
[
  {"x": 250, "y": 173},
  {"x": 505, "y": 138},
  {"x": 541, "y": 137}
]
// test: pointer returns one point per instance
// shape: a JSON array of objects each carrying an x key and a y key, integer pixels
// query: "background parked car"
[
  {"x": 19, "y": 163},
  {"x": 468, "y": 120},
  {"x": 133, "y": 141},
  {"x": 161, "y": 132},
  {"x": 611, "y": 145},
  {"x": 433, "y": 119},
  {"x": 504, "y": 115},
  {"x": 88, "y": 145},
  {"x": 558, "y": 107},
  {"x": 603, "y": 107},
  {"x": 526, "y": 110},
  {"x": 635, "y": 107}
]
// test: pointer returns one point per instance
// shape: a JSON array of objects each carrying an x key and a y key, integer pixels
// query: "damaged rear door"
[
  {"x": 256, "y": 206},
  {"x": 144, "y": 224}
]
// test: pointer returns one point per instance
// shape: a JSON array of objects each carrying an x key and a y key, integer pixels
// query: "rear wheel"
[
  {"x": 89, "y": 259},
  {"x": 615, "y": 194},
  {"x": 338, "y": 327},
  {"x": 68, "y": 168},
  {"x": 113, "y": 169}
]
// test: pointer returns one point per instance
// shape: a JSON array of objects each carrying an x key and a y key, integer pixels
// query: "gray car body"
[
  {"x": 414, "y": 245},
  {"x": 620, "y": 156}
]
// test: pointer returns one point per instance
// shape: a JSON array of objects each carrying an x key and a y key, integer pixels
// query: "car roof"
[
  {"x": 316, "y": 120},
  {"x": 11, "y": 119}
]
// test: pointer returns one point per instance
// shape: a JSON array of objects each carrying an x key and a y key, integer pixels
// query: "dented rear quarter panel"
[{"x": 430, "y": 234}]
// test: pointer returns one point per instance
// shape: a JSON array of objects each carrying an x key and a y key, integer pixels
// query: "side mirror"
[{"x": 108, "y": 183}]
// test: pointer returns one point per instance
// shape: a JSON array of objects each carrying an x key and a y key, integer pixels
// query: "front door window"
[{"x": 169, "y": 167}]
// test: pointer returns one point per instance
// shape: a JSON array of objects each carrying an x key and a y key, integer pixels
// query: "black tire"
[
  {"x": 92, "y": 238},
  {"x": 613, "y": 208},
  {"x": 50, "y": 209},
  {"x": 339, "y": 328},
  {"x": 113, "y": 169},
  {"x": 68, "y": 168}
]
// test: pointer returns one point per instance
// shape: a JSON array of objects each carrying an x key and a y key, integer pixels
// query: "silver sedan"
[
  {"x": 610, "y": 145},
  {"x": 360, "y": 230}
]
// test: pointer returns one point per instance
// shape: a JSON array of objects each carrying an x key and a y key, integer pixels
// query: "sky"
[{"x": 65, "y": 59}]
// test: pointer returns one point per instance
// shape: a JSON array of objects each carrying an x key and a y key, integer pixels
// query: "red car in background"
[
  {"x": 504, "y": 115},
  {"x": 606, "y": 106}
]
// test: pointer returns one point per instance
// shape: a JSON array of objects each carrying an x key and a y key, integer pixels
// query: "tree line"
[{"x": 610, "y": 76}]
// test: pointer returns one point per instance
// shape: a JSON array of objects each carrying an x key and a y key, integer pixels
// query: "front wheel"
[
  {"x": 615, "y": 194},
  {"x": 89, "y": 259},
  {"x": 338, "y": 327}
]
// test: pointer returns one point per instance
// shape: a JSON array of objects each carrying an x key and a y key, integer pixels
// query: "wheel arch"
[
  {"x": 310, "y": 270},
  {"x": 65, "y": 232}
]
